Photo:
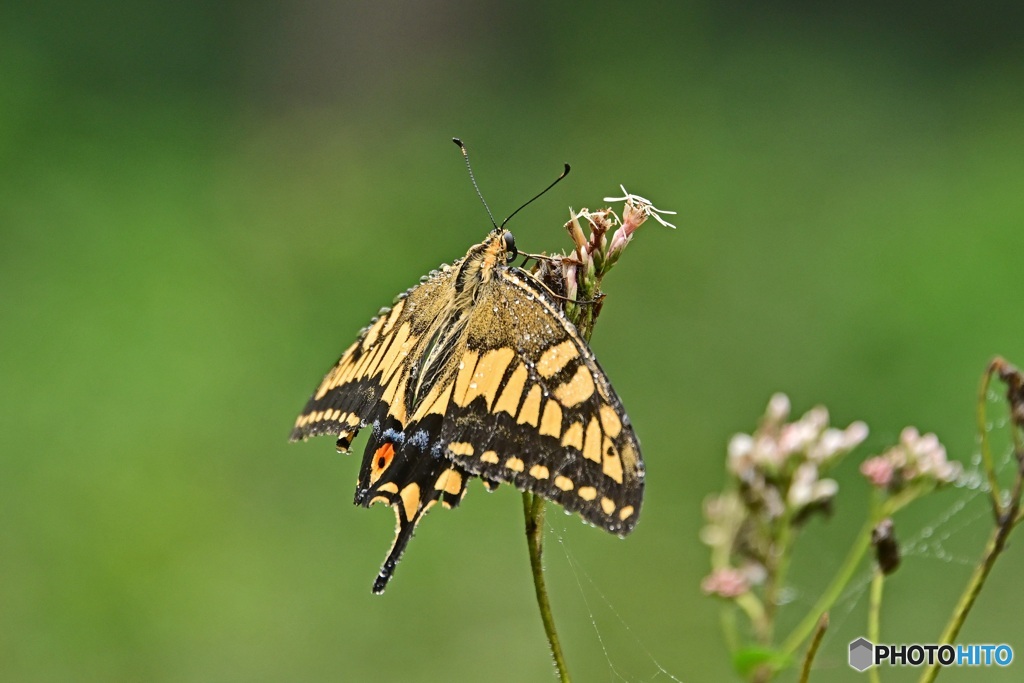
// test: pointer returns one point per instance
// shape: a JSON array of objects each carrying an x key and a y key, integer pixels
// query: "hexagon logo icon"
[{"x": 861, "y": 654}]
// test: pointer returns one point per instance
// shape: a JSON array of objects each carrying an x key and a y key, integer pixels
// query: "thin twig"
[
  {"x": 977, "y": 582},
  {"x": 1006, "y": 517}
]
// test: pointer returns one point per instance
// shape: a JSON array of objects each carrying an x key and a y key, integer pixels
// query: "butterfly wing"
[
  {"x": 369, "y": 380},
  {"x": 399, "y": 470},
  {"x": 369, "y": 386},
  {"x": 531, "y": 406}
]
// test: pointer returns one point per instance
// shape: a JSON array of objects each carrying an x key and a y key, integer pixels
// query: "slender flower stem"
[
  {"x": 819, "y": 633},
  {"x": 846, "y": 571},
  {"x": 730, "y": 629},
  {"x": 970, "y": 594},
  {"x": 755, "y": 611},
  {"x": 533, "y": 510},
  {"x": 874, "y": 615},
  {"x": 533, "y": 506}
]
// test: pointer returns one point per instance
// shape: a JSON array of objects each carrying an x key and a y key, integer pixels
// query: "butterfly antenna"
[
  {"x": 472, "y": 178},
  {"x": 564, "y": 173}
]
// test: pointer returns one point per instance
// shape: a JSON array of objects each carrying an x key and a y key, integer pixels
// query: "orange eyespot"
[{"x": 381, "y": 461}]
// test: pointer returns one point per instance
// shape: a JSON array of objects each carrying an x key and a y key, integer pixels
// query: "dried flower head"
[
  {"x": 635, "y": 213},
  {"x": 638, "y": 209},
  {"x": 576, "y": 231}
]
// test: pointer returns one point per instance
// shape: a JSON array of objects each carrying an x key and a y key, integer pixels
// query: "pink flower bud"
[
  {"x": 878, "y": 470},
  {"x": 619, "y": 241},
  {"x": 725, "y": 582}
]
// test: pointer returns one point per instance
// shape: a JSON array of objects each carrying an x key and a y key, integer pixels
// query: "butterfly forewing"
[
  {"x": 531, "y": 406},
  {"x": 374, "y": 371}
]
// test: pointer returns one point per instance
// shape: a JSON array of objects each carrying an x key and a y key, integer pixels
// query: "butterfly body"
[{"x": 476, "y": 372}]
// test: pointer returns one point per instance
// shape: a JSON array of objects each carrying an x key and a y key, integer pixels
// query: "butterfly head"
[
  {"x": 499, "y": 249},
  {"x": 508, "y": 242}
]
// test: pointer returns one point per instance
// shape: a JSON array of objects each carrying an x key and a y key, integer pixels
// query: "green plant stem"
[
  {"x": 846, "y": 571},
  {"x": 732, "y": 640},
  {"x": 755, "y": 611},
  {"x": 874, "y": 615},
  {"x": 819, "y": 633},
  {"x": 832, "y": 593},
  {"x": 533, "y": 510},
  {"x": 970, "y": 594}
]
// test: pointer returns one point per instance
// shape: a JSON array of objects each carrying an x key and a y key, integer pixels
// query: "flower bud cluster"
[
  {"x": 575, "y": 278},
  {"x": 777, "y": 483},
  {"x": 779, "y": 467},
  {"x": 597, "y": 254},
  {"x": 916, "y": 460}
]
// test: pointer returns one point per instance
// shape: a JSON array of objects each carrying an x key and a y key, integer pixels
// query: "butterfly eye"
[{"x": 510, "y": 248}]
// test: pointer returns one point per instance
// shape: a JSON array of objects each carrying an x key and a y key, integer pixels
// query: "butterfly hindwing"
[{"x": 398, "y": 469}]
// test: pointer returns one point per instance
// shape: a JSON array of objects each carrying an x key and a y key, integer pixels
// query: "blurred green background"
[{"x": 201, "y": 203}]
